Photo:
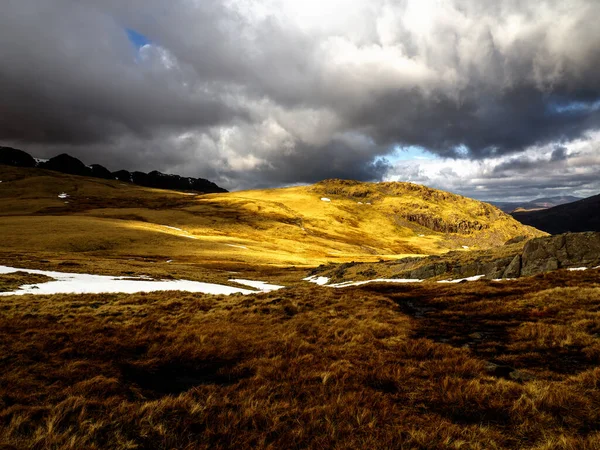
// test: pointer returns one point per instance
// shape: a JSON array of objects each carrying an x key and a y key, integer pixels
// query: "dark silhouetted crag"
[
  {"x": 14, "y": 157},
  {"x": 68, "y": 164}
]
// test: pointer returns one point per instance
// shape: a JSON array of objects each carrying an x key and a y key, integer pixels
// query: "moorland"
[{"x": 508, "y": 363}]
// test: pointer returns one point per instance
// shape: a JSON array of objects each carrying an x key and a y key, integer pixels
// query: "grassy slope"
[
  {"x": 479, "y": 365},
  {"x": 109, "y": 219}
]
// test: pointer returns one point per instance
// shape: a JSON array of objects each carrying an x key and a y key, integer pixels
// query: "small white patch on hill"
[
  {"x": 325, "y": 199},
  {"x": 321, "y": 281},
  {"x": 63, "y": 195},
  {"x": 473, "y": 278},
  {"x": 260, "y": 285},
  {"x": 236, "y": 246}
]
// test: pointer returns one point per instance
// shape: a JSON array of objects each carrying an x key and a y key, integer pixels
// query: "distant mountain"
[
  {"x": 582, "y": 215},
  {"x": 65, "y": 163},
  {"x": 539, "y": 203}
]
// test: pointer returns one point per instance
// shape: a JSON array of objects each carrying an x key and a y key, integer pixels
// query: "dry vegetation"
[
  {"x": 107, "y": 219},
  {"x": 479, "y": 365},
  {"x": 11, "y": 281}
]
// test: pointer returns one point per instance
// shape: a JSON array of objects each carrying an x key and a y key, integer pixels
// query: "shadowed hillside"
[
  {"x": 583, "y": 215},
  {"x": 331, "y": 221}
]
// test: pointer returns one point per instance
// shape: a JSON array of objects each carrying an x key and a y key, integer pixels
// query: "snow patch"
[
  {"x": 360, "y": 203},
  {"x": 325, "y": 199},
  {"x": 421, "y": 235},
  {"x": 78, "y": 283},
  {"x": 40, "y": 160},
  {"x": 63, "y": 195},
  {"x": 260, "y": 285},
  {"x": 172, "y": 228},
  {"x": 474, "y": 278},
  {"x": 236, "y": 246},
  {"x": 574, "y": 269},
  {"x": 321, "y": 281},
  {"x": 466, "y": 247},
  {"x": 378, "y": 280}
]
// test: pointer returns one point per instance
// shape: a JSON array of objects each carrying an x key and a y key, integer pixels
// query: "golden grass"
[
  {"x": 479, "y": 365},
  {"x": 278, "y": 227}
]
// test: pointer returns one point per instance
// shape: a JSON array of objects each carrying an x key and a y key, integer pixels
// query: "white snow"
[
  {"x": 173, "y": 228},
  {"x": 368, "y": 203},
  {"x": 63, "y": 195},
  {"x": 325, "y": 199},
  {"x": 237, "y": 246},
  {"x": 40, "y": 160},
  {"x": 378, "y": 280},
  {"x": 169, "y": 261},
  {"x": 573, "y": 269},
  {"x": 260, "y": 285},
  {"x": 466, "y": 247},
  {"x": 597, "y": 267},
  {"x": 474, "y": 278},
  {"x": 78, "y": 283},
  {"x": 421, "y": 235},
  {"x": 321, "y": 281}
]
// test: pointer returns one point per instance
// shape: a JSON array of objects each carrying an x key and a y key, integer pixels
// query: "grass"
[
  {"x": 474, "y": 365},
  {"x": 11, "y": 281},
  {"x": 103, "y": 219}
]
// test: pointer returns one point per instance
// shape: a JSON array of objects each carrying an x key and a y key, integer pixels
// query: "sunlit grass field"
[{"x": 279, "y": 227}]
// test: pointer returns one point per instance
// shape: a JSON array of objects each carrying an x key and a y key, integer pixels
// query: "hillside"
[
  {"x": 537, "y": 204},
  {"x": 583, "y": 215},
  {"x": 332, "y": 221}
]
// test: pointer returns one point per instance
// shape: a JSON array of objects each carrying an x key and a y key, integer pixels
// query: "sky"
[{"x": 496, "y": 100}]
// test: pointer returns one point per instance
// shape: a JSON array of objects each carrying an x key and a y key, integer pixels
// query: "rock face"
[
  {"x": 65, "y": 163},
  {"x": 568, "y": 250}
]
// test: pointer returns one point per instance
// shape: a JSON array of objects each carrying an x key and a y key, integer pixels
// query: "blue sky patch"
[
  {"x": 410, "y": 153},
  {"x": 137, "y": 39}
]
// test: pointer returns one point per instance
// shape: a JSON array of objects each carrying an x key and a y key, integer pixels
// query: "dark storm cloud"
[{"x": 250, "y": 93}]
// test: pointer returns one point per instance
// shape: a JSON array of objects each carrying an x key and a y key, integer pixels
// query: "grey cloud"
[{"x": 490, "y": 77}]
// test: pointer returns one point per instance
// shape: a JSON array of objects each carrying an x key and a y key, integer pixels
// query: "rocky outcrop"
[
  {"x": 567, "y": 250},
  {"x": 540, "y": 255}
]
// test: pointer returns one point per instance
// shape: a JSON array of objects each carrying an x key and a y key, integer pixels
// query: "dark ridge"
[
  {"x": 583, "y": 215},
  {"x": 99, "y": 171},
  {"x": 14, "y": 157},
  {"x": 65, "y": 163}
]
